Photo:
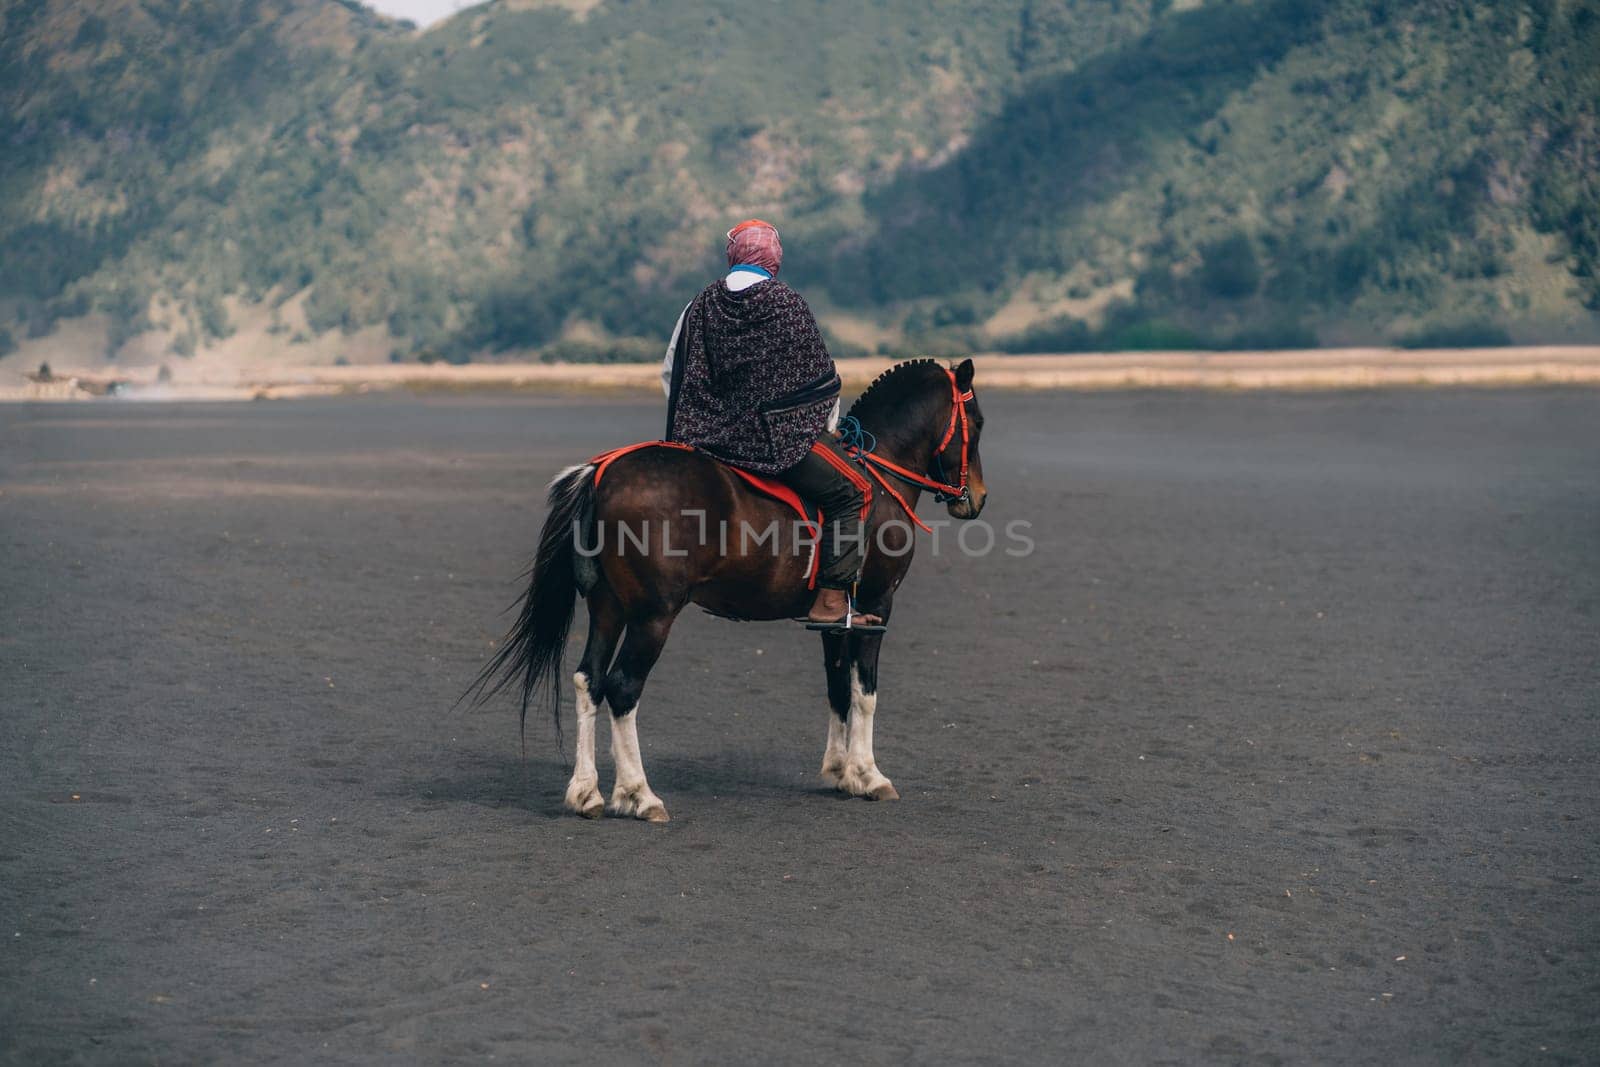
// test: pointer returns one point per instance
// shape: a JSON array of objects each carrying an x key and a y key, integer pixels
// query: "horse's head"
[
  {"x": 923, "y": 420},
  {"x": 958, "y": 462}
]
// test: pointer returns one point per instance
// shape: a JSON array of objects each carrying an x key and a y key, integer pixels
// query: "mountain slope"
[
  {"x": 196, "y": 174},
  {"x": 1294, "y": 162}
]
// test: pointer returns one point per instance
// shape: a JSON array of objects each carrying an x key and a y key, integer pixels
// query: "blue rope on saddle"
[{"x": 855, "y": 436}]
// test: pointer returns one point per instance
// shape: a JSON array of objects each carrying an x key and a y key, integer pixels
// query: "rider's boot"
[{"x": 832, "y": 605}]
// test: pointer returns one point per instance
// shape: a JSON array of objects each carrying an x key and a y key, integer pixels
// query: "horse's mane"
[{"x": 894, "y": 386}]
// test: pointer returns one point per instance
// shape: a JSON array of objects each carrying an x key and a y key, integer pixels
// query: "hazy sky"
[{"x": 421, "y": 12}]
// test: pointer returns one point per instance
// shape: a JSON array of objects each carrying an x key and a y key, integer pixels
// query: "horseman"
[{"x": 750, "y": 381}]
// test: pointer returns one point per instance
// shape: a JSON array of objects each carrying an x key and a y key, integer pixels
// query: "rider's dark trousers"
[{"x": 828, "y": 477}]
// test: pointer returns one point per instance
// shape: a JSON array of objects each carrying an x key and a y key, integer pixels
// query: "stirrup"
[{"x": 847, "y": 624}]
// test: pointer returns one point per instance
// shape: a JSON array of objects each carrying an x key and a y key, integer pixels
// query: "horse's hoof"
[
  {"x": 868, "y": 784},
  {"x": 655, "y": 813},
  {"x": 647, "y": 807},
  {"x": 585, "y": 801},
  {"x": 833, "y": 775}
]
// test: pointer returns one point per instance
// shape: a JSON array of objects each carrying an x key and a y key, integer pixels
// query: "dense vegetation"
[
  {"x": 1262, "y": 170},
  {"x": 1026, "y": 174}
]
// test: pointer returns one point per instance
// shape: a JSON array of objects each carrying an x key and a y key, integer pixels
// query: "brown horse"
[{"x": 666, "y": 527}]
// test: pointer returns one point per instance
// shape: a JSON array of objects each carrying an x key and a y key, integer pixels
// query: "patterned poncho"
[{"x": 752, "y": 381}]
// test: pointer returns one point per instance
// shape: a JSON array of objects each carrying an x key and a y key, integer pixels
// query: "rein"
[{"x": 859, "y": 444}]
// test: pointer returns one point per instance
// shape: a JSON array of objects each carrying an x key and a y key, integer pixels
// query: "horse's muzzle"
[{"x": 965, "y": 506}]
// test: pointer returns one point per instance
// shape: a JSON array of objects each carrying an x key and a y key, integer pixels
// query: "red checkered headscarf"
[{"x": 756, "y": 242}]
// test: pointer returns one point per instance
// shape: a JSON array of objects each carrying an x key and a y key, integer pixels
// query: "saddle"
[{"x": 808, "y": 513}]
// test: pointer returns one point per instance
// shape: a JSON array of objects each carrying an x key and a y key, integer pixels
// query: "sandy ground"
[
  {"x": 207, "y": 379},
  {"x": 1282, "y": 747}
]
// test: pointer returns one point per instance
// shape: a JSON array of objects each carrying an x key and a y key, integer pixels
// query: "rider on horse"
[{"x": 749, "y": 380}]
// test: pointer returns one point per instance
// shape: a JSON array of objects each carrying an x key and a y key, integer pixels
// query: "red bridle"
[{"x": 942, "y": 490}]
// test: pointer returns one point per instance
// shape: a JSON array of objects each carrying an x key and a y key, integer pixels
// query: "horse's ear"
[{"x": 964, "y": 374}]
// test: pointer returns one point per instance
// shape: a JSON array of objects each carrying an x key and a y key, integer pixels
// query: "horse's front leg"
[
  {"x": 836, "y": 660},
  {"x": 861, "y": 776}
]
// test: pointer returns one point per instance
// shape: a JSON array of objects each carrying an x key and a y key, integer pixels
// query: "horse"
[{"x": 912, "y": 424}]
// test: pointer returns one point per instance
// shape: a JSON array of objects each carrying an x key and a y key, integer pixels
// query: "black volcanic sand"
[{"x": 1282, "y": 747}]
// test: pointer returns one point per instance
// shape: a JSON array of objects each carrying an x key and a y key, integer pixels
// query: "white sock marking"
[
  {"x": 632, "y": 795},
  {"x": 583, "y": 792},
  {"x": 834, "y": 753},
  {"x": 861, "y": 775}
]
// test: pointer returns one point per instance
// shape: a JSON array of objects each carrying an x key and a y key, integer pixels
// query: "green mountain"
[{"x": 308, "y": 179}]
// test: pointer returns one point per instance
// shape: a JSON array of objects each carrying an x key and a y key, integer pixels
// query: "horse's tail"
[{"x": 532, "y": 651}]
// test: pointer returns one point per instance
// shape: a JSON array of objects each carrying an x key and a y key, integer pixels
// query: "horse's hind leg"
[
  {"x": 605, "y": 626},
  {"x": 641, "y": 646},
  {"x": 836, "y": 659},
  {"x": 861, "y": 776}
]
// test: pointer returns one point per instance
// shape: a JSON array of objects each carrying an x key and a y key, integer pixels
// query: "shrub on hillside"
[
  {"x": 618, "y": 350},
  {"x": 1153, "y": 335},
  {"x": 1229, "y": 268},
  {"x": 1473, "y": 334},
  {"x": 1268, "y": 336},
  {"x": 1065, "y": 334}
]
